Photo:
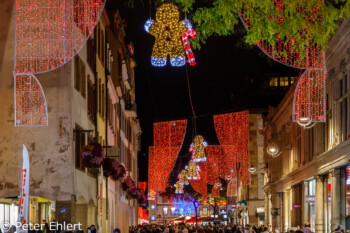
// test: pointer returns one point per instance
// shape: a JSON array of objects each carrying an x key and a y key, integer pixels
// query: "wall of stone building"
[{"x": 49, "y": 147}]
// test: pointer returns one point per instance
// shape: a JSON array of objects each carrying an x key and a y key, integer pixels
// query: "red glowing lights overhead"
[
  {"x": 48, "y": 35},
  {"x": 168, "y": 137},
  {"x": 232, "y": 131},
  {"x": 309, "y": 96}
]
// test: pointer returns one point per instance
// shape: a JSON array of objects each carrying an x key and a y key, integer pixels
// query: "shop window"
[
  {"x": 312, "y": 186},
  {"x": 205, "y": 211}
]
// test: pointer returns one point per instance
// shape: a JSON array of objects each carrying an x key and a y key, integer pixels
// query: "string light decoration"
[
  {"x": 215, "y": 192},
  {"x": 200, "y": 185},
  {"x": 142, "y": 186},
  {"x": 309, "y": 95},
  {"x": 152, "y": 195},
  {"x": 232, "y": 188},
  {"x": 31, "y": 107},
  {"x": 185, "y": 205},
  {"x": 187, "y": 45},
  {"x": 168, "y": 30},
  {"x": 309, "y": 98},
  {"x": 198, "y": 149},
  {"x": 179, "y": 188},
  {"x": 232, "y": 131},
  {"x": 168, "y": 137},
  {"x": 192, "y": 171},
  {"x": 48, "y": 35},
  {"x": 183, "y": 177}
]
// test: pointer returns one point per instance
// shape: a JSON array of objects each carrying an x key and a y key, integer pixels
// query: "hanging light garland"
[
  {"x": 192, "y": 171},
  {"x": 179, "y": 187},
  {"x": 48, "y": 35},
  {"x": 198, "y": 149},
  {"x": 183, "y": 177},
  {"x": 232, "y": 131},
  {"x": 171, "y": 37},
  {"x": 168, "y": 137},
  {"x": 309, "y": 96}
]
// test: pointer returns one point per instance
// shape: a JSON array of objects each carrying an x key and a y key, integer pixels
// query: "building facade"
[
  {"x": 89, "y": 100},
  {"x": 309, "y": 180}
]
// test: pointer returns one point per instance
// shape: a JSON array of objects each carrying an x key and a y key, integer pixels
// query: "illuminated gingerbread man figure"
[{"x": 167, "y": 29}]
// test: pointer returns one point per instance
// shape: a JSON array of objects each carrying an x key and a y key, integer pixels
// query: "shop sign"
[
  {"x": 310, "y": 199},
  {"x": 63, "y": 210},
  {"x": 53, "y": 207},
  {"x": 296, "y": 206},
  {"x": 260, "y": 210},
  {"x": 159, "y": 216}
]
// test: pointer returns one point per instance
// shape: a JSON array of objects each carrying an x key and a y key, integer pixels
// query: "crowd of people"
[{"x": 185, "y": 228}]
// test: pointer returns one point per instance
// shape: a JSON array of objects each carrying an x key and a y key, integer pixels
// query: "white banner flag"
[
  {"x": 101, "y": 200},
  {"x": 23, "y": 207}
]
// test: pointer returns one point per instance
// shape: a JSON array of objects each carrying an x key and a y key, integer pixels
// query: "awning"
[{"x": 193, "y": 220}]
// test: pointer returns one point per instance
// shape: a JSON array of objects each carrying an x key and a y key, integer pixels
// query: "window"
[
  {"x": 153, "y": 206},
  {"x": 79, "y": 76},
  {"x": 165, "y": 210},
  {"x": 284, "y": 81},
  {"x": 103, "y": 102},
  {"x": 91, "y": 100},
  {"x": 173, "y": 211},
  {"x": 274, "y": 82},
  {"x": 292, "y": 80},
  {"x": 91, "y": 55},
  {"x": 99, "y": 96},
  {"x": 153, "y": 218},
  {"x": 79, "y": 146},
  {"x": 205, "y": 211}
]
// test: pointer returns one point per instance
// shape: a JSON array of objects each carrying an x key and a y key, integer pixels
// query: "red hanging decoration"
[
  {"x": 215, "y": 192},
  {"x": 48, "y": 35},
  {"x": 142, "y": 186},
  {"x": 168, "y": 138},
  {"x": 232, "y": 131},
  {"x": 186, "y": 43},
  {"x": 309, "y": 96}
]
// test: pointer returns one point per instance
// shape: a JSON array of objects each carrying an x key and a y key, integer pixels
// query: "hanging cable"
[{"x": 190, "y": 97}]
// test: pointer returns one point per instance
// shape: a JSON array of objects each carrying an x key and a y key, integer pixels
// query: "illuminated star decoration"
[
  {"x": 171, "y": 37},
  {"x": 309, "y": 97},
  {"x": 47, "y": 35}
]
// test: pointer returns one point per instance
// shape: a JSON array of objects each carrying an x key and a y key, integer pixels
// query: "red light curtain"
[
  {"x": 168, "y": 137},
  {"x": 309, "y": 94},
  {"x": 142, "y": 186},
  {"x": 200, "y": 185},
  {"x": 48, "y": 35},
  {"x": 232, "y": 131}
]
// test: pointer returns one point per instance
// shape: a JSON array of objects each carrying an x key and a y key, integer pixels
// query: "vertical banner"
[
  {"x": 101, "y": 201},
  {"x": 23, "y": 207}
]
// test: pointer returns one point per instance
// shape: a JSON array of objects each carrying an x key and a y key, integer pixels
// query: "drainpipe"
[{"x": 106, "y": 83}]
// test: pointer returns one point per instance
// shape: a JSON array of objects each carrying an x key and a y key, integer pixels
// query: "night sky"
[{"x": 229, "y": 76}]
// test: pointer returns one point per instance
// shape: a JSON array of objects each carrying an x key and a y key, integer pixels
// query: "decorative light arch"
[
  {"x": 309, "y": 95},
  {"x": 48, "y": 34}
]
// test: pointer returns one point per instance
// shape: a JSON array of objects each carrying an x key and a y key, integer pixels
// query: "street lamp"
[
  {"x": 252, "y": 169},
  {"x": 273, "y": 150},
  {"x": 306, "y": 122}
]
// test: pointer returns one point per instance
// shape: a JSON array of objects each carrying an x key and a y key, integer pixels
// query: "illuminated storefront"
[{"x": 347, "y": 179}]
